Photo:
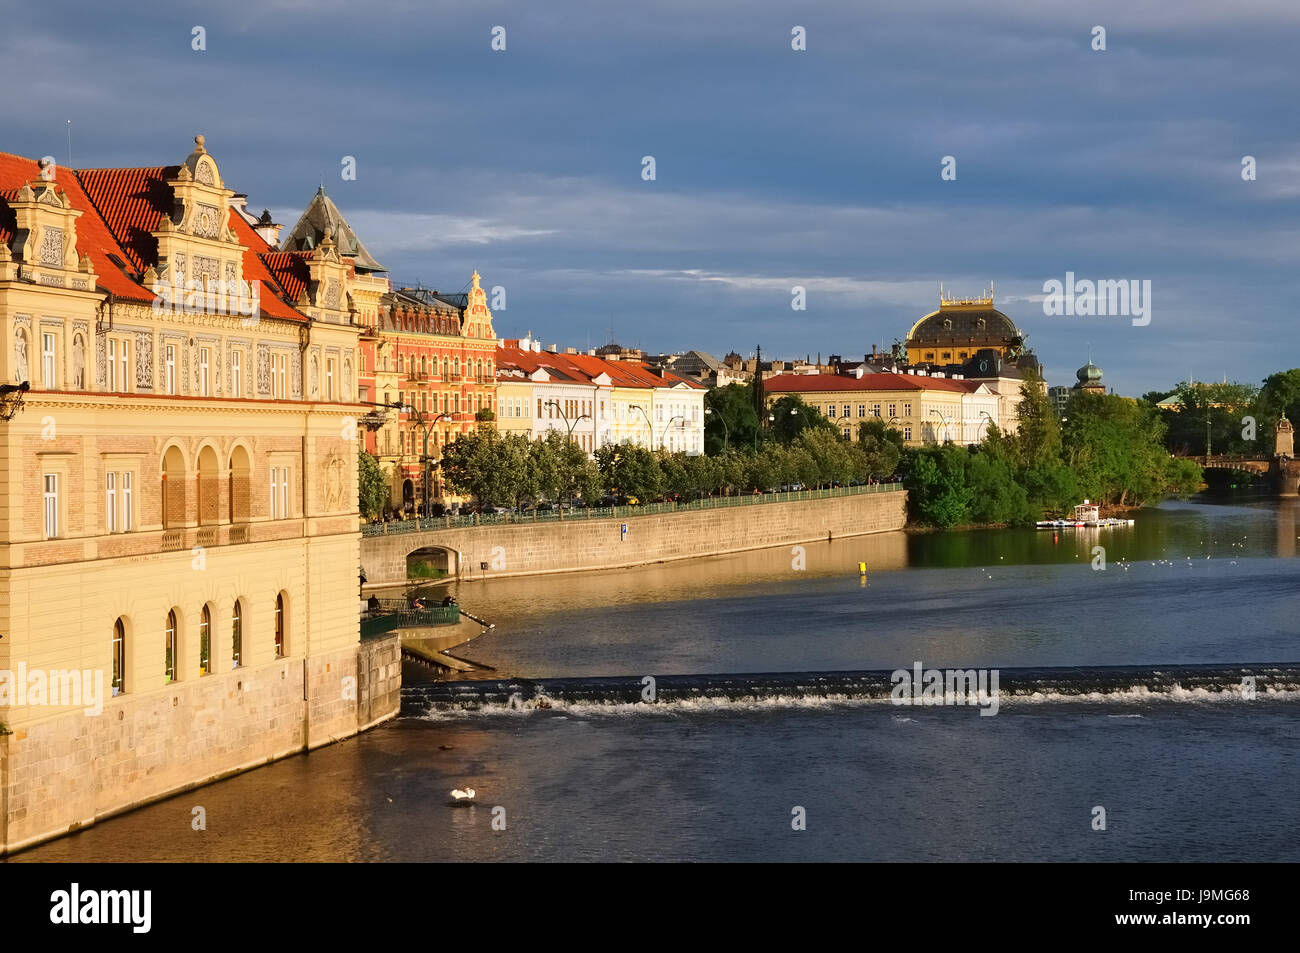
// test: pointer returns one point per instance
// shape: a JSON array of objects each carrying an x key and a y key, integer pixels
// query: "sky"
[{"x": 773, "y": 167}]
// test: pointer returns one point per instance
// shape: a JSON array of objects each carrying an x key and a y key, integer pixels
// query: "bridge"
[{"x": 1281, "y": 471}]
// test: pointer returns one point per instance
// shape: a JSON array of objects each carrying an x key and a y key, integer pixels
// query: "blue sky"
[{"x": 774, "y": 168}]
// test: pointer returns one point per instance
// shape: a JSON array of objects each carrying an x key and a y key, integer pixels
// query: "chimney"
[
  {"x": 269, "y": 230},
  {"x": 554, "y": 349},
  {"x": 591, "y": 352},
  {"x": 570, "y": 350}
]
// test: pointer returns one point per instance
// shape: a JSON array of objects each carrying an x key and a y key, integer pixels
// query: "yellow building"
[
  {"x": 960, "y": 328},
  {"x": 179, "y": 519},
  {"x": 925, "y": 409}
]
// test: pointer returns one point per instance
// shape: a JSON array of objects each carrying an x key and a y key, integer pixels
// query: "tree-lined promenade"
[{"x": 1106, "y": 448}]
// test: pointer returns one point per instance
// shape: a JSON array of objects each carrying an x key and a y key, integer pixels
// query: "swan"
[{"x": 465, "y": 795}]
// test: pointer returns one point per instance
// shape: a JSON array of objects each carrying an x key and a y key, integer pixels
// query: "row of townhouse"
[{"x": 596, "y": 401}]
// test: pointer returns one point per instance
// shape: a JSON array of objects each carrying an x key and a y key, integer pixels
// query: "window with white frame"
[
  {"x": 329, "y": 377},
  {"x": 127, "y": 522},
  {"x": 279, "y": 376},
  {"x": 48, "y": 362},
  {"x": 51, "y": 484},
  {"x": 279, "y": 493},
  {"x": 237, "y": 373},
  {"x": 110, "y": 501},
  {"x": 111, "y": 348},
  {"x": 205, "y": 372},
  {"x": 169, "y": 369}
]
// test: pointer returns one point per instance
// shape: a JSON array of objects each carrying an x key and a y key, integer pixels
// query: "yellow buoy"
[{"x": 862, "y": 568}]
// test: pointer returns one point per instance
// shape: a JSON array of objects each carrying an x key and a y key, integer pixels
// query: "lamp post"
[
  {"x": 726, "y": 431},
  {"x": 424, "y": 425},
  {"x": 11, "y": 399},
  {"x": 649, "y": 426},
  {"x": 663, "y": 437},
  {"x": 992, "y": 422},
  {"x": 944, "y": 421},
  {"x": 565, "y": 417}
]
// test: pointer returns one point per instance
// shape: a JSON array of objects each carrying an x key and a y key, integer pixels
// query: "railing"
[
  {"x": 618, "y": 512},
  {"x": 172, "y": 540},
  {"x": 396, "y": 614}
]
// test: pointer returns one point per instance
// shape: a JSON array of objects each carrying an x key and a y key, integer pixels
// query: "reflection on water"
[{"x": 1190, "y": 582}]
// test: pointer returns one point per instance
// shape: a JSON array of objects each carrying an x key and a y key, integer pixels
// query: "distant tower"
[{"x": 1285, "y": 438}]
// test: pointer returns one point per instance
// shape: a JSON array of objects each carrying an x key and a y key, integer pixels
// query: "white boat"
[{"x": 1085, "y": 514}]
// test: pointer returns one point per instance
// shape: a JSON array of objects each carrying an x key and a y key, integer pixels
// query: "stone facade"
[{"x": 528, "y": 548}]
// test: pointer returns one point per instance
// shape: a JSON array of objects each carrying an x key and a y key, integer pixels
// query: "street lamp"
[
  {"x": 663, "y": 437},
  {"x": 565, "y": 417},
  {"x": 944, "y": 420},
  {"x": 649, "y": 425},
  {"x": 424, "y": 425},
  {"x": 726, "y": 431},
  {"x": 992, "y": 422}
]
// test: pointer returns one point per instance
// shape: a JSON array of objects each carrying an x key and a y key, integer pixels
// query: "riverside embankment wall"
[{"x": 581, "y": 543}]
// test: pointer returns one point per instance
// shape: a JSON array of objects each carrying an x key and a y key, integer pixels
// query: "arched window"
[
  {"x": 119, "y": 657},
  {"x": 240, "y": 486},
  {"x": 279, "y": 626},
  {"x": 173, "y": 485},
  {"x": 236, "y": 635},
  {"x": 209, "y": 494},
  {"x": 455, "y": 367},
  {"x": 205, "y": 641},
  {"x": 169, "y": 650}
]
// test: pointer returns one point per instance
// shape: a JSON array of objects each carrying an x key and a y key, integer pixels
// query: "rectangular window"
[
  {"x": 284, "y": 492},
  {"x": 830, "y": 410},
  {"x": 112, "y": 365},
  {"x": 875, "y": 410},
  {"x": 51, "y": 505},
  {"x": 846, "y": 410},
  {"x": 893, "y": 410},
  {"x": 862, "y": 410},
  {"x": 907, "y": 433},
  {"x": 123, "y": 379},
  {"x": 329, "y": 379},
  {"x": 47, "y": 360},
  {"x": 169, "y": 370},
  {"x": 205, "y": 367},
  {"x": 237, "y": 373},
  {"x": 907, "y": 410},
  {"x": 110, "y": 501},
  {"x": 128, "y": 504},
  {"x": 279, "y": 376}
]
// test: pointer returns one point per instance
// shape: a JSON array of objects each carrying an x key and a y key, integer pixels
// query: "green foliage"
[
  {"x": 1038, "y": 434},
  {"x": 492, "y": 468},
  {"x": 1115, "y": 446},
  {"x": 881, "y": 447},
  {"x": 485, "y": 414},
  {"x": 1279, "y": 395},
  {"x": 731, "y": 421},
  {"x": 372, "y": 487},
  {"x": 789, "y": 417},
  {"x": 936, "y": 485},
  {"x": 1212, "y": 411}
]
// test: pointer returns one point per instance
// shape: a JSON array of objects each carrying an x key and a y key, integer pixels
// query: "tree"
[
  {"x": 372, "y": 487},
  {"x": 631, "y": 470},
  {"x": 830, "y": 453},
  {"x": 1279, "y": 396},
  {"x": 1038, "y": 437},
  {"x": 936, "y": 485},
  {"x": 731, "y": 421},
  {"x": 489, "y": 467},
  {"x": 880, "y": 450},
  {"x": 792, "y": 417}
]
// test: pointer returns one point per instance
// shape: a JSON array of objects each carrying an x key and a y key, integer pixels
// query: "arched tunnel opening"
[{"x": 431, "y": 562}]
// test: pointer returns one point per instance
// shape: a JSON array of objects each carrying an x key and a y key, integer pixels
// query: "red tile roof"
[
  {"x": 121, "y": 207},
  {"x": 289, "y": 268},
  {"x": 796, "y": 383},
  {"x": 585, "y": 368}
]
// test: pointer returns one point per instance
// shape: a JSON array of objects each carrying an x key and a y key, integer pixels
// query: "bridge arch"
[{"x": 432, "y": 562}]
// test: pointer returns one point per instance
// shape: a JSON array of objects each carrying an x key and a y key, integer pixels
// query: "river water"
[{"x": 1185, "y": 766}]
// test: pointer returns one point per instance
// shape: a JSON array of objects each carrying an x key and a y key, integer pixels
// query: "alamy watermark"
[
  {"x": 952, "y": 686},
  {"x": 1119, "y": 298},
  {"x": 64, "y": 688}
]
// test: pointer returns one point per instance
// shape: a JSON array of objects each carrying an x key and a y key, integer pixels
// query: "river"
[{"x": 713, "y": 774}]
